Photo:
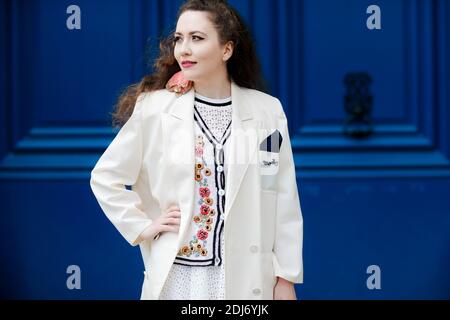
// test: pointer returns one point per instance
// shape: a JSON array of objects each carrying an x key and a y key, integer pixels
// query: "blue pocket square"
[{"x": 272, "y": 142}]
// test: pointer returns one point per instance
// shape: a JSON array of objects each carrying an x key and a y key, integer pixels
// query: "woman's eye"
[{"x": 175, "y": 39}]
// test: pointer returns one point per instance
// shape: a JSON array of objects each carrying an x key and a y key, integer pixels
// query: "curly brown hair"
[{"x": 243, "y": 67}]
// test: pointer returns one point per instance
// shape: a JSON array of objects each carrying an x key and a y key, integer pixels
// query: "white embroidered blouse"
[{"x": 198, "y": 270}]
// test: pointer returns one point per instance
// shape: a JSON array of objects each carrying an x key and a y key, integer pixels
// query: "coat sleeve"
[
  {"x": 288, "y": 260},
  {"x": 119, "y": 166}
]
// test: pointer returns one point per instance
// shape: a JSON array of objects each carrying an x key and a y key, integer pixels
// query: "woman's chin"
[{"x": 189, "y": 76}]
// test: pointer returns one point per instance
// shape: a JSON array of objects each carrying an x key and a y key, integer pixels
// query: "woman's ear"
[{"x": 228, "y": 51}]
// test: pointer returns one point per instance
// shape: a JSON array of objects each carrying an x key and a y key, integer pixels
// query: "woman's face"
[{"x": 197, "y": 40}]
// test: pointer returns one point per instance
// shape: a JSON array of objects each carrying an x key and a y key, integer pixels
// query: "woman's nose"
[{"x": 185, "y": 49}]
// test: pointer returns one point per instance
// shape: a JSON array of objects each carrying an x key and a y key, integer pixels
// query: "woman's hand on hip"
[{"x": 168, "y": 221}]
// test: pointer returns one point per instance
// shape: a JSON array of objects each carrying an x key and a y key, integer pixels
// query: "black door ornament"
[{"x": 358, "y": 105}]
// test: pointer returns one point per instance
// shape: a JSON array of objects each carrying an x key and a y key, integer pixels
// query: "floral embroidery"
[
  {"x": 199, "y": 140},
  {"x": 202, "y": 234},
  {"x": 204, "y": 218},
  {"x": 185, "y": 250},
  {"x": 199, "y": 166},
  {"x": 204, "y": 209},
  {"x": 204, "y": 192},
  {"x": 198, "y": 151}
]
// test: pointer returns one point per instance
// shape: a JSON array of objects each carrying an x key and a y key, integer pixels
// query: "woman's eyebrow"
[{"x": 192, "y": 32}]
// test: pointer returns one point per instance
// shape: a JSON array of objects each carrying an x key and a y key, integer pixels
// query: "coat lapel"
[
  {"x": 242, "y": 147},
  {"x": 178, "y": 132}
]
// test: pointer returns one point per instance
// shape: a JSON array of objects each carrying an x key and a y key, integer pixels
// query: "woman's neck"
[{"x": 214, "y": 89}]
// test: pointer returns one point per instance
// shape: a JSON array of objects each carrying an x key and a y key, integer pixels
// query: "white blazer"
[{"x": 154, "y": 153}]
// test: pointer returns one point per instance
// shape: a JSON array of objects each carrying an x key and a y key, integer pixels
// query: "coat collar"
[{"x": 241, "y": 109}]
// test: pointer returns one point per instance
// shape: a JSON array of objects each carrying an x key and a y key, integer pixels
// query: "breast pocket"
[
  {"x": 269, "y": 162},
  {"x": 268, "y": 157},
  {"x": 268, "y": 169}
]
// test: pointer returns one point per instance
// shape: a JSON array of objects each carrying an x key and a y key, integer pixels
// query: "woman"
[{"x": 214, "y": 205}]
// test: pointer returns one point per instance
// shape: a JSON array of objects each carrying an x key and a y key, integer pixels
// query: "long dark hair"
[{"x": 243, "y": 67}]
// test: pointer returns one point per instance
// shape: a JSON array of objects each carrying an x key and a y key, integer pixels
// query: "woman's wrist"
[
  {"x": 283, "y": 281},
  {"x": 149, "y": 233}
]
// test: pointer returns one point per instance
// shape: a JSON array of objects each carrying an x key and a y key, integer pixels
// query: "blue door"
[{"x": 366, "y": 91}]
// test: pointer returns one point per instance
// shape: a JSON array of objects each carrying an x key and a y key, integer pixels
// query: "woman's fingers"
[
  {"x": 172, "y": 208},
  {"x": 171, "y": 221},
  {"x": 170, "y": 228},
  {"x": 174, "y": 214}
]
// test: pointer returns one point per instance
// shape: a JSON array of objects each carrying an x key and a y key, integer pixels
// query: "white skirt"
[{"x": 196, "y": 283}]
